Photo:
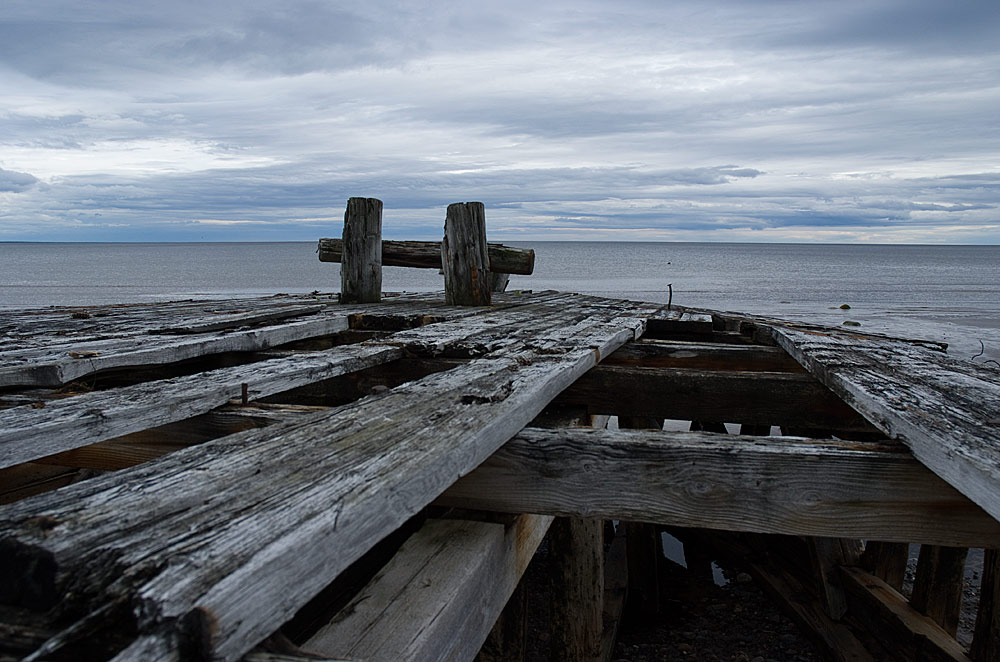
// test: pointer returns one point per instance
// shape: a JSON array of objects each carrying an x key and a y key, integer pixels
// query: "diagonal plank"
[
  {"x": 735, "y": 483},
  {"x": 221, "y": 543},
  {"x": 945, "y": 410}
]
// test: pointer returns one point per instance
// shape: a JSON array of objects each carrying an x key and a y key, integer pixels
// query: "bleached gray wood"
[
  {"x": 679, "y": 320},
  {"x": 728, "y": 482},
  {"x": 945, "y": 410},
  {"x": 438, "y": 598},
  {"x": 27, "y": 433},
  {"x": 151, "y": 648},
  {"x": 361, "y": 264},
  {"x": 235, "y": 320},
  {"x": 231, "y": 537},
  {"x": 59, "y": 367},
  {"x": 427, "y": 255},
  {"x": 463, "y": 255}
]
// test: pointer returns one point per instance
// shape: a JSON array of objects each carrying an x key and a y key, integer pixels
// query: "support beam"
[
  {"x": 887, "y": 561},
  {"x": 986, "y": 641},
  {"x": 577, "y": 598},
  {"x": 767, "y": 398},
  {"x": 648, "y": 353},
  {"x": 439, "y": 596},
  {"x": 903, "y": 630},
  {"x": 427, "y": 255},
  {"x": 768, "y": 485},
  {"x": 361, "y": 266},
  {"x": 937, "y": 588},
  {"x": 463, "y": 256}
]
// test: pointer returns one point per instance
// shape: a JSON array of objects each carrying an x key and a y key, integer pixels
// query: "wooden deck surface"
[{"x": 359, "y": 417}]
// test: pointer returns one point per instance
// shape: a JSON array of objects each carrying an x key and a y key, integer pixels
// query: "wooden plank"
[
  {"x": 679, "y": 320},
  {"x": 945, "y": 410},
  {"x": 986, "y": 640},
  {"x": 937, "y": 587},
  {"x": 704, "y": 356},
  {"x": 703, "y": 480},
  {"x": 508, "y": 639},
  {"x": 438, "y": 597},
  {"x": 427, "y": 255},
  {"x": 361, "y": 264},
  {"x": 60, "y": 367},
  {"x": 27, "y": 433},
  {"x": 906, "y": 632},
  {"x": 463, "y": 256},
  {"x": 577, "y": 599},
  {"x": 827, "y": 556},
  {"x": 231, "y": 537},
  {"x": 235, "y": 320},
  {"x": 769, "y": 398}
]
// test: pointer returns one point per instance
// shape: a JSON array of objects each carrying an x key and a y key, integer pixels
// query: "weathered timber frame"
[{"x": 185, "y": 480}]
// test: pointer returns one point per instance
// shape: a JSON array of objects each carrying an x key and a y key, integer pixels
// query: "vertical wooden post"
[
  {"x": 937, "y": 588},
  {"x": 986, "y": 640},
  {"x": 887, "y": 561},
  {"x": 643, "y": 545},
  {"x": 578, "y": 589},
  {"x": 463, "y": 256},
  {"x": 827, "y": 554},
  {"x": 506, "y": 642},
  {"x": 361, "y": 264}
]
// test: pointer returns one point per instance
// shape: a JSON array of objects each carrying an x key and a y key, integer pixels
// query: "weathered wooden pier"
[{"x": 366, "y": 476}]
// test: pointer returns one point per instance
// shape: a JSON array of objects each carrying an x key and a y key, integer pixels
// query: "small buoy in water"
[
  {"x": 844, "y": 306},
  {"x": 851, "y": 323}
]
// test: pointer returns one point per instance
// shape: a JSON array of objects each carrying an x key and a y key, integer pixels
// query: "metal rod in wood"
[
  {"x": 463, "y": 256},
  {"x": 361, "y": 265}
]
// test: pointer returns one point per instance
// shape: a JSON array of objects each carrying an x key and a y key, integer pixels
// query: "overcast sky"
[{"x": 842, "y": 121}]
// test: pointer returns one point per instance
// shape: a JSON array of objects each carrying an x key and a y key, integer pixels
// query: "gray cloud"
[{"x": 15, "y": 182}]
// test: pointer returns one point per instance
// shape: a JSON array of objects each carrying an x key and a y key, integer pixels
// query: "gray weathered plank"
[
  {"x": 438, "y": 597},
  {"x": 728, "y": 482},
  {"x": 223, "y": 542},
  {"x": 945, "y": 410}
]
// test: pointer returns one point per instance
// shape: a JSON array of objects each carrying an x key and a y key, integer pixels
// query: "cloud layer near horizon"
[{"x": 769, "y": 121}]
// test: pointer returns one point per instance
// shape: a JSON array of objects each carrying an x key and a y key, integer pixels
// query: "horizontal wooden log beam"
[
  {"x": 438, "y": 597},
  {"x": 763, "y": 398},
  {"x": 427, "y": 255},
  {"x": 727, "y": 482},
  {"x": 703, "y": 356}
]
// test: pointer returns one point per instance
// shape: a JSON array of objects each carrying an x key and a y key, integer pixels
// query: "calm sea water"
[{"x": 949, "y": 293}]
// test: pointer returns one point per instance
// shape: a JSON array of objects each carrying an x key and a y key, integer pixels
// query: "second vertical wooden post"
[
  {"x": 361, "y": 264},
  {"x": 464, "y": 258}
]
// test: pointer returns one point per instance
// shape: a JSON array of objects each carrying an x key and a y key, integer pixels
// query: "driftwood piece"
[
  {"x": 945, "y": 410},
  {"x": 438, "y": 597},
  {"x": 427, "y": 255},
  {"x": 221, "y": 543},
  {"x": 703, "y": 480},
  {"x": 463, "y": 256},
  {"x": 361, "y": 264}
]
